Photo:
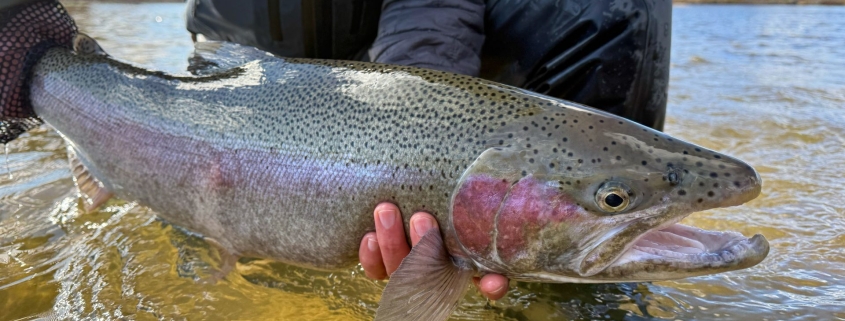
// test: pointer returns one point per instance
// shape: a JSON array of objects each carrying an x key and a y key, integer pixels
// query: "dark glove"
[{"x": 26, "y": 32}]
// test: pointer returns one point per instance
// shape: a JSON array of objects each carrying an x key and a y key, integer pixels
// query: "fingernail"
[
  {"x": 495, "y": 291},
  {"x": 422, "y": 225},
  {"x": 387, "y": 218},
  {"x": 372, "y": 244},
  {"x": 498, "y": 290}
]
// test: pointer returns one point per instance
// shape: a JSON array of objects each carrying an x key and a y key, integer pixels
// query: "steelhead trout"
[{"x": 285, "y": 159}]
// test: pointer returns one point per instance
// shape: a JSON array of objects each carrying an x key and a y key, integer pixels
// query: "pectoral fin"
[
  {"x": 427, "y": 285},
  {"x": 91, "y": 190}
]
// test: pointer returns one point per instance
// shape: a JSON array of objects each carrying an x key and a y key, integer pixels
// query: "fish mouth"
[{"x": 675, "y": 251}]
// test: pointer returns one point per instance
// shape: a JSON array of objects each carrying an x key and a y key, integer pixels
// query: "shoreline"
[
  {"x": 764, "y": 2},
  {"x": 754, "y": 2}
]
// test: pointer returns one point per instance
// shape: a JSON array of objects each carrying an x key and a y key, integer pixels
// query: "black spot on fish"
[
  {"x": 714, "y": 174},
  {"x": 710, "y": 193},
  {"x": 682, "y": 192}
]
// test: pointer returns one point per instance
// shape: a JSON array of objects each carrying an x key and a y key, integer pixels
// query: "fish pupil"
[{"x": 613, "y": 200}]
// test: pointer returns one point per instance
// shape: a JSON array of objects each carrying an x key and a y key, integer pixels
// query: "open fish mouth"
[
  {"x": 678, "y": 244},
  {"x": 676, "y": 251}
]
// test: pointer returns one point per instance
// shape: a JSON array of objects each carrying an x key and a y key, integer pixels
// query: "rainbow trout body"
[{"x": 285, "y": 159}]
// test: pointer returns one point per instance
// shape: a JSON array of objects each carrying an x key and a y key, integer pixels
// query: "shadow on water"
[{"x": 763, "y": 83}]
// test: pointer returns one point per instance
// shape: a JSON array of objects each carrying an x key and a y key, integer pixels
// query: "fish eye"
[{"x": 613, "y": 197}]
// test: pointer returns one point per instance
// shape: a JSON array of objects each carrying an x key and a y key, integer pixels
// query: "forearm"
[
  {"x": 27, "y": 30},
  {"x": 437, "y": 34},
  {"x": 4, "y": 4}
]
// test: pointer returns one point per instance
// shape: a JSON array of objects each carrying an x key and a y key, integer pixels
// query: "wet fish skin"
[
  {"x": 285, "y": 159},
  {"x": 262, "y": 175}
]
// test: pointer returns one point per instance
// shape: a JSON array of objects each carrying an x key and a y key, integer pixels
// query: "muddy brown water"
[{"x": 764, "y": 83}]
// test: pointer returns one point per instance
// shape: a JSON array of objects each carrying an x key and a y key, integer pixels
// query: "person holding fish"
[{"x": 612, "y": 57}]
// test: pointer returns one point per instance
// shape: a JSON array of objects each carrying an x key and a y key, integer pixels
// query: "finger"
[
  {"x": 421, "y": 223},
  {"x": 493, "y": 286},
  {"x": 390, "y": 232},
  {"x": 370, "y": 256}
]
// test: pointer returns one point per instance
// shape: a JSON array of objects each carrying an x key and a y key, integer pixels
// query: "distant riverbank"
[
  {"x": 802, "y": 2},
  {"x": 806, "y": 2}
]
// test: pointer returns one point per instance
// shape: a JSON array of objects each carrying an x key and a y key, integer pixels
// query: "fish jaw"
[{"x": 680, "y": 251}]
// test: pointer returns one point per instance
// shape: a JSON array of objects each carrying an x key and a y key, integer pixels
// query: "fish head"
[{"x": 598, "y": 200}]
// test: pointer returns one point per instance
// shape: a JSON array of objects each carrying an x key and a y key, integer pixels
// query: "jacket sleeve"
[
  {"x": 438, "y": 34},
  {"x": 4, "y": 4}
]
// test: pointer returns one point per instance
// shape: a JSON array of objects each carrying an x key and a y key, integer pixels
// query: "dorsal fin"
[
  {"x": 91, "y": 190},
  {"x": 85, "y": 45}
]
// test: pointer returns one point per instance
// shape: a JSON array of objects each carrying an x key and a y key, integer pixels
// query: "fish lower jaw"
[{"x": 678, "y": 251}]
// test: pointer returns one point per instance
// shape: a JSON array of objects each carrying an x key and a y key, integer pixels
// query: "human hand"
[
  {"x": 26, "y": 32},
  {"x": 382, "y": 251}
]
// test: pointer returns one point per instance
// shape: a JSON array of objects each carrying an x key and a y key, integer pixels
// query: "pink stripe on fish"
[
  {"x": 529, "y": 208},
  {"x": 474, "y": 212}
]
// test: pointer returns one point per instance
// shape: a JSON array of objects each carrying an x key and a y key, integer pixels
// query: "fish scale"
[{"x": 286, "y": 158}]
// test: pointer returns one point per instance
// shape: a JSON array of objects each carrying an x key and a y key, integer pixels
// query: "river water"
[{"x": 763, "y": 83}]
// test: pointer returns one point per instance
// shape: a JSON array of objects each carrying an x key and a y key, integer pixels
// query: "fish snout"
[{"x": 722, "y": 181}]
